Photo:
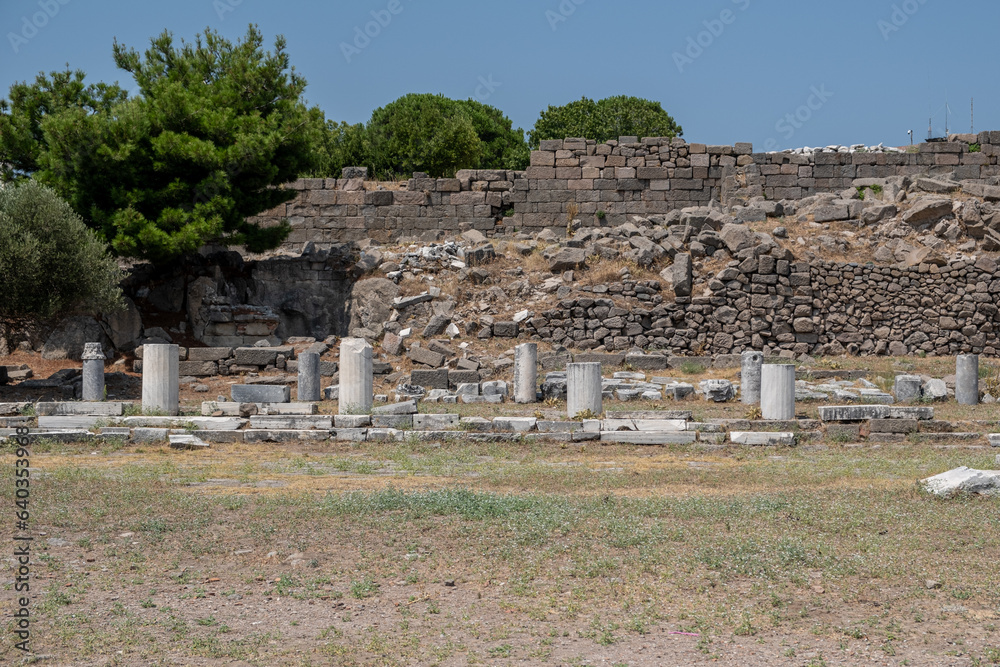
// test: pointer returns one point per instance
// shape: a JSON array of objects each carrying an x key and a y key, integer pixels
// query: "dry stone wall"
[
  {"x": 606, "y": 184},
  {"x": 774, "y": 303}
]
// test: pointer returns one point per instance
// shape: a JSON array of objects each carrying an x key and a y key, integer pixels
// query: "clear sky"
[{"x": 779, "y": 73}]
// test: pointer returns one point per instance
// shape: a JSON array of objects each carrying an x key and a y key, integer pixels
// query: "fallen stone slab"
[
  {"x": 292, "y": 422},
  {"x": 401, "y": 408},
  {"x": 112, "y": 409},
  {"x": 187, "y": 442},
  {"x": 261, "y": 393},
  {"x": 762, "y": 438},
  {"x": 993, "y": 439},
  {"x": 963, "y": 480},
  {"x": 649, "y": 437},
  {"x": 492, "y": 398}
]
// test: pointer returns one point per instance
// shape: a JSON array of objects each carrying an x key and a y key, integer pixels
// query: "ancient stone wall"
[
  {"x": 606, "y": 183},
  {"x": 774, "y": 303}
]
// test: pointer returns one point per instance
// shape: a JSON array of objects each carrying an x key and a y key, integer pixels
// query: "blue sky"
[{"x": 779, "y": 73}]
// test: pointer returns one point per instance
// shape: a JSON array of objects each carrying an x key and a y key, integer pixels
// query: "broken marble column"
[
  {"x": 777, "y": 391},
  {"x": 160, "y": 389},
  {"x": 93, "y": 372},
  {"x": 907, "y": 388},
  {"x": 309, "y": 378},
  {"x": 967, "y": 379},
  {"x": 526, "y": 373},
  {"x": 584, "y": 389},
  {"x": 750, "y": 364},
  {"x": 356, "y": 390}
]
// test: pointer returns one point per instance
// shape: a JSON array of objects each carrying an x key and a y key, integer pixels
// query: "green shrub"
[{"x": 50, "y": 262}]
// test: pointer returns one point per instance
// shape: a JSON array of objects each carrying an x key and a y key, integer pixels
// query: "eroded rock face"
[
  {"x": 124, "y": 328},
  {"x": 68, "y": 339},
  {"x": 370, "y": 304}
]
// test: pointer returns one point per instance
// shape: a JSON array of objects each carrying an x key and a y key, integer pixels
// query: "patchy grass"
[{"x": 430, "y": 553}]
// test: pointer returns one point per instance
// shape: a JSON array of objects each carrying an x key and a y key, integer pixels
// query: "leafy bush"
[
  {"x": 50, "y": 262},
  {"x": 606, "y": 119}
]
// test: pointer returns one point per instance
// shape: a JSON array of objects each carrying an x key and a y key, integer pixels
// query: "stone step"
[
  {"x": 643, "y": 425},
  {"x": 385, "y": 435},
  {"x": 12, "y": 409},
  {"x": 648, "y": 414},
  {"x": 196, "y": 423},
  {"x": 67, "y": 408},
  {"x": 284, "y": 435},
  {"x": 435, "y": 422},
  {"x": 392, "y": 421},
  {"x": 261, "y": 393},
  {"x": 839, "y": 413},
  {"x": 291, "y": 422},
  {"x": 232, "y": 409},
  {"x": 649, "y": 437},
  {"x": 547, "y": 426},
  {"x": 71, "y": 422},
  {"x": 946, "y": 437},
  {"x": 514, "y": 424},
  {"x": 762, "y": 438}
]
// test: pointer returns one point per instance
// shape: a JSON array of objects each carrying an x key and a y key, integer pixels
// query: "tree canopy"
[
  {"x": 50, "y": 262},
  {"x": 610, "y": 118},
  {"x": 215, "y": 127},
  {"x": 22, "y": 140}
]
